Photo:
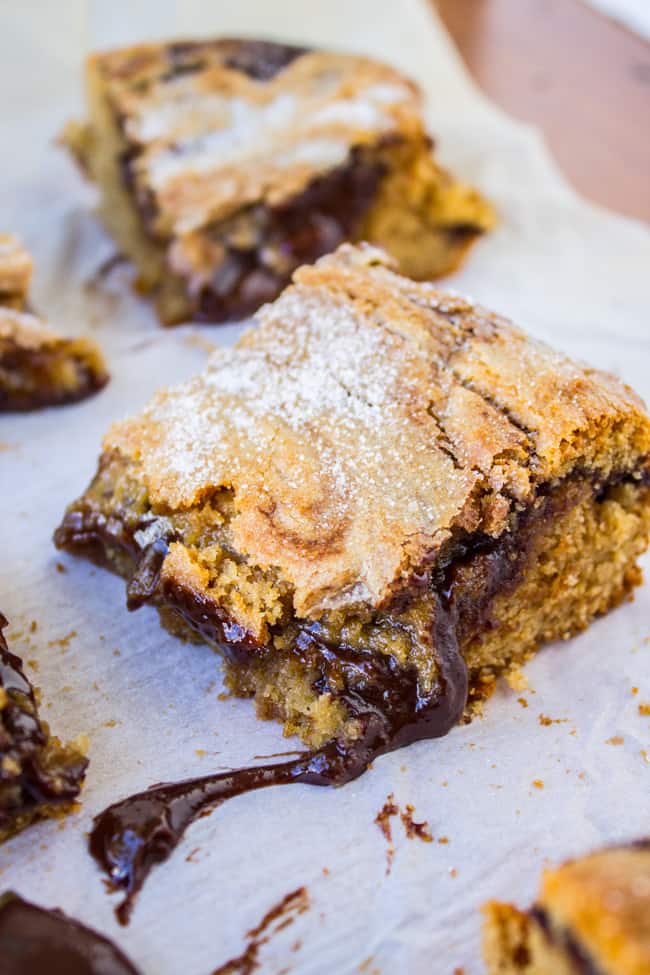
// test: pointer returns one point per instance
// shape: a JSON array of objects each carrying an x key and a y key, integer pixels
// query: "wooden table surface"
[{"x": 583, "y": 79}]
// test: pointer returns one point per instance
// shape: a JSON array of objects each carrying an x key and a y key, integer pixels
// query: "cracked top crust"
[
  {"x": 15, "y": 269},
  {"x": 218, "y": 125},
  {"x": 604, "y": 901},
  {"x": 368, "y": 419}
]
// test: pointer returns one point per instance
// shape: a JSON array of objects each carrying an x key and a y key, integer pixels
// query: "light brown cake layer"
[
  {"x": 225, "y": 164},
  {"x": 592, "y": 918},
  {"x": 374, "y": 449}
]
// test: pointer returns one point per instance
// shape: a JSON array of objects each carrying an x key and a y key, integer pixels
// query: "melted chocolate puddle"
[
  {"x": 45, "y": 942},
  {"x": 390, "y": 706}
]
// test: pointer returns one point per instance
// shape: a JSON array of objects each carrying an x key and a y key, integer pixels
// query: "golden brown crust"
[
  {"x": 366, "y": 419},
  {"x": 604, "y": 900},
  {"x": 214, "y": 140}
]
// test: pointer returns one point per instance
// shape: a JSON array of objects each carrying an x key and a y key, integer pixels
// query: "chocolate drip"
[
  {"x": 36, "y": 941},
  {"x": 390, "y": 706}
]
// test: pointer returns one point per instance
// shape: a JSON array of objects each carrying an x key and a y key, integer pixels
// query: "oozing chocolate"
[
  {"x": 582, "y": 962},
  {"x": 26, "y": 781},
  {"x": 387, "y": 701},
  {"x": 36, "y": 941}
]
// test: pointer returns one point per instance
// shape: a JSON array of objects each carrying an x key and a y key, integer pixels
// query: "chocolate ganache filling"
[
  {"x": 36, "y": 941},
  {"x": 389, "y": 701}
]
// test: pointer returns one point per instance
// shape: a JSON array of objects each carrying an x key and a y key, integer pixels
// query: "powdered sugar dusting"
[{"x": 354, "y": 424}]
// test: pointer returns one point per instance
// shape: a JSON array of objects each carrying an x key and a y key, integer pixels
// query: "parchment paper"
[
  {"x": 633, "y": 14},
  {"x": 571, "y": 273}
]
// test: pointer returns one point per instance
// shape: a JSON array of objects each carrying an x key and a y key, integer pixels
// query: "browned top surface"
[
  {"x": 579, "y": 76},
  {"x": 365, "y": 419},
  {"x": 212, "y": 137}
]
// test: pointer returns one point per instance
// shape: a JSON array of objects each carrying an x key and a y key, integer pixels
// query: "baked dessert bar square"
[
  {"x": 225, "y": 164},
  {"x": 39, "y": 776},
  {"x": 592, "y": 917},
  {"x": 38, "y": 367},
  {"x": 382, "y": 498}
]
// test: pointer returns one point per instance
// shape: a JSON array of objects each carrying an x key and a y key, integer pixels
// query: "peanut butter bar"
[
  {"x": 381, "y": 499},
  {"x": 38, "y": 367},
  {"x": 225, "y": 164},
  {"x": 592, "y": 918},
  {"x": 39, "y": 776}
]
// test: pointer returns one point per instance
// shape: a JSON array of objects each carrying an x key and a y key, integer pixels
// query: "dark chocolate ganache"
[
  {"x": 390, "y": 702},
  {"x": 36, "y": 941},
  {"x": 26, "y": 782},
  {"x": 389, "y": 705}
]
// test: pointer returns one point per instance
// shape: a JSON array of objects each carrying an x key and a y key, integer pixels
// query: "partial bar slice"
[
  {"x": 592, "y": 918},
  {"x": 378, "y": 501},
  {"x": 38, "y": 367},
  {"x": 225, "y": 164},
  {"x": 39, "y": 776}
]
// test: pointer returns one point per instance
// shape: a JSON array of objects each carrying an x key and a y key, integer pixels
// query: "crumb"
[
  {"x": 200, "y": 752},
  {"x": 64, "y": 641},
  {"x": 445, "y": 784},
  {"x": 615, "y": 740},
  {"x": 110, "y": 724},
  {"x": 223, "y": 696},
  {"x": 523, "y": 702},
  {"x": 635, "y": 690},
  {"x": 414, "y": 829},
  {"x": 297, "y": 945},
  {"x": 644, "y": 755},
  {"x": 60, "y": 567},
  {"x": 33, "y": 664},
  {"x": 443, "y": 840},
  {"x": 545, "y": 721},
  {"x": 538, "y": 783},
  {"x": 382, "y": 819},
  {"x": 33, "y": 626},
  {"x": 644, "y": 709},
  {"x": 190, "y": 856},
  {"x": 117, "y": 653},
  {"x": 453, "y": 872},
  {"x": 459, "y": 971}
]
